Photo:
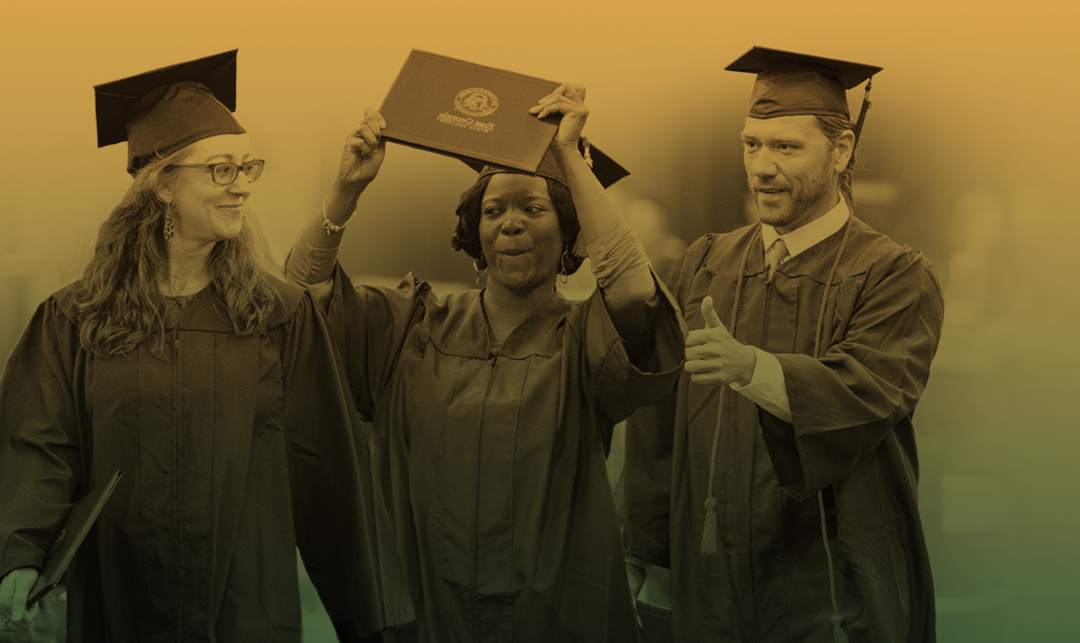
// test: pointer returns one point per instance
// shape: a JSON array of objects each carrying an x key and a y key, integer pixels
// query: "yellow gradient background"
[{"x": 970, "y": 154}]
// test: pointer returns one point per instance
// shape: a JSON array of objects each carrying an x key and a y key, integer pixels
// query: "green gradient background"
[{"x": 972, "y": 147}]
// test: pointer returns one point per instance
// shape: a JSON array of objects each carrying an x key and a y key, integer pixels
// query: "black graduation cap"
[
  {"x": 792, "y": 84},
  {"x": 606, "y": 170},
  {"x": 161, "y": 111}
]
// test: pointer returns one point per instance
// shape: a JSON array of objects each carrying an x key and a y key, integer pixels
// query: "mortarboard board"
[
  {"x": 162, "y": 111},
  {"x": 793, "y": 84},
  {"x": 606, "y": 170}
]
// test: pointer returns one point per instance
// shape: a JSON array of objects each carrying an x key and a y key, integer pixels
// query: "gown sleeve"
[
  {"x": 342, "y": 522},
  {"x": 367, "y": 325},
  {"x": 633, "y": 344},
  {"x": 886, "y": 327},
  {"x": 40, "y": 438}
]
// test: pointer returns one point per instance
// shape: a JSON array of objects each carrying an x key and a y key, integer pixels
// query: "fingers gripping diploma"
[
  {"x": 568, "y": 100},
  {"x": 713, "y": 356},
  {"x": 14, "y": 590}
]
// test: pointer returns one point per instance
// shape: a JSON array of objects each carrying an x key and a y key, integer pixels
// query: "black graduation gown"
[
  {"x": 496, "y": 456},
  {"x": 235, "y": 449},
  {"x": 851, "y": 436}
]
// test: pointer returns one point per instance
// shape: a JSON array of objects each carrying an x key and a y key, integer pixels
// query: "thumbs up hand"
[{"x": 713, "y": 356}]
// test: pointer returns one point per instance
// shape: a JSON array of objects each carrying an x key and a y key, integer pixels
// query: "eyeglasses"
[{"x": 226, "y": 173}]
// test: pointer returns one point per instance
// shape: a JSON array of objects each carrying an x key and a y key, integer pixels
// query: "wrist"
[
  {"x": 346, "y": 190},
  {"x": 749, "y": 364}
]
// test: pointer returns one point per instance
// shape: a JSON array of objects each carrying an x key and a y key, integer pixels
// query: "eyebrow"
[
  {"x": 227, "y": 157},
  {"x": 772, "y": 141},
  {"x": 516, "y": 195}
]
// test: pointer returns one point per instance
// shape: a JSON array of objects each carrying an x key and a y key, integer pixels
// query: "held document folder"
[
  {"x": 469, "y": 111},
  {"x": 79, "y": 520}
]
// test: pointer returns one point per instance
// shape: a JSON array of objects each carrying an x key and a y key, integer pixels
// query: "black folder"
[{"x": 79, "y": 520}]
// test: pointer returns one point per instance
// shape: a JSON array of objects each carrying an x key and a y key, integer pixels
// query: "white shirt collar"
[{"x": 811, "y": 234}]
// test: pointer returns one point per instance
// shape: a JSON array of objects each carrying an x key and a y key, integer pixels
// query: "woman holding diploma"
[{"x": 494, "y": 408}]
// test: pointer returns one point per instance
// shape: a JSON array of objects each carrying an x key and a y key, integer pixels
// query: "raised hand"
[
  {"x": 364, "y": 151},
  {"x": 568, "y": 100}
]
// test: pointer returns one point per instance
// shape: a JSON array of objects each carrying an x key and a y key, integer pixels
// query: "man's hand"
[{"x": 713, "y": 356}]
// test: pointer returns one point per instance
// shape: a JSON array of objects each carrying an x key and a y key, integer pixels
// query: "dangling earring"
[
  {"x": 480, "y": 261},
  {"x": 564, "y": 264},
  {"x": 168, "y": 227}
]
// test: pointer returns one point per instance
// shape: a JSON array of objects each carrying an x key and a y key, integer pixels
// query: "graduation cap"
[
  {"x": 162, "y": 111},
  {"x": 793, "y": 84},
  {"x": 606, "y": 170}
]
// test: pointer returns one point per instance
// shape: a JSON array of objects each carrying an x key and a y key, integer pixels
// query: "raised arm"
[
  {"x": 619, "y": 262},
  {"x": 596, "y": 211},
  {"x": 361, "y": 158}
]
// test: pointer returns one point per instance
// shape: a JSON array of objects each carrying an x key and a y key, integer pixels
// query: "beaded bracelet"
[{"x": 329, "y": 225}]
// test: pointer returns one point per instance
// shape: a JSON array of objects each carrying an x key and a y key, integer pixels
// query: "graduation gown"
[
  {"x": 851, "y": 437},
  {"x": 235, "y": 450},
  {"x": 496, "y": 455}
]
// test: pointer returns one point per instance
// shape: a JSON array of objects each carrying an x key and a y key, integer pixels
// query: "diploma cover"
[
  {"x": 469, "y": 111},
  {"x": 79, "y": 520}
]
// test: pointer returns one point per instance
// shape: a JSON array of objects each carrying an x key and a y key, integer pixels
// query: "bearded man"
[{"x": 779, "y": 482}]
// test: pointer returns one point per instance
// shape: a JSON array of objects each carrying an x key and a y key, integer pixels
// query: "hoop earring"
[{"x": 168, "y": 227}]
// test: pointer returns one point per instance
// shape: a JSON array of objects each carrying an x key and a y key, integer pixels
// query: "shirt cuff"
[{"x": 767, "y": 387}]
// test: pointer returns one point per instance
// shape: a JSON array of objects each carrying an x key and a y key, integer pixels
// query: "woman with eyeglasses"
[
  {"x": 211, "y": 385},
  {"x": 495, "y": 407}
]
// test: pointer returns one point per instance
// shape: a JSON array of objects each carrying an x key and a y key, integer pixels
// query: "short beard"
[{"x": 800, "y": 203}]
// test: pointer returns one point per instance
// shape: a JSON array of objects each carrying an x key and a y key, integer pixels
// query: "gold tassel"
[{"x": 708, "y": 536}]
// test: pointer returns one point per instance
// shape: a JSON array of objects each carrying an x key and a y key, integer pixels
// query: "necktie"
[{"x": 775, "y": 255}]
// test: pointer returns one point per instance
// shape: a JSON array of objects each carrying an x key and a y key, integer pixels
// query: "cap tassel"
[
  {"x": 838, "y": 634},
  {"x": 862, "y": 111},
  {"x": 708, "y": 535}
]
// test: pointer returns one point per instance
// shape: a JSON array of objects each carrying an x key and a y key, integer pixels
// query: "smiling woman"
[
  {"x": 178, "y": 360},
  {"x": 519, "y": 231},
  {"x": 208, "y": 199},
  {"x": 494, "y": 408}
]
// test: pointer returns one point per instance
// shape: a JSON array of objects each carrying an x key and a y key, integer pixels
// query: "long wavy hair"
[
  {"x": 118, "y": 303},
  {"x": 467, "y": 231},
  {"x": 832, "y": 127}
]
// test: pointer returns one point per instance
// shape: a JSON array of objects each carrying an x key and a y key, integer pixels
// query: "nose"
[
  {"x": 763, "y": 163},
  {"x": 512, "y": 224},
  {"x": 241, "y": 186}
]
